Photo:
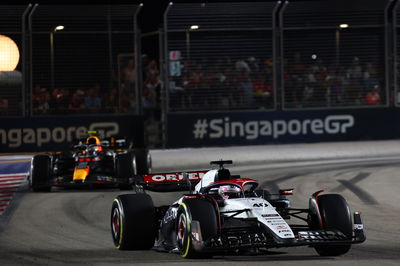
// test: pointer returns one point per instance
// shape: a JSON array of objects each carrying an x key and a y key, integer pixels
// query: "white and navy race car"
[{"x": 225, "y": 213}]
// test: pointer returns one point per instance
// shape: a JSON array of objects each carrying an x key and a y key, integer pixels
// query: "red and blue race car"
[{"x": 92, "y": 161}]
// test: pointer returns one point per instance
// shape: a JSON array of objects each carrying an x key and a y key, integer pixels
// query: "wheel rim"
[
  {"x": 182, "y": 230},
  {"x": 116, "y": 223}
]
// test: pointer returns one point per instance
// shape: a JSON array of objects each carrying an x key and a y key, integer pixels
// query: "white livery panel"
[{"x": 263, "y": 211}]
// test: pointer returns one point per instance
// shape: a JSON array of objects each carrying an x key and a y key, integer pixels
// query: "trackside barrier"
[
  {"x": 55, "y": 134},
  {"x": 250, "y": 128}
]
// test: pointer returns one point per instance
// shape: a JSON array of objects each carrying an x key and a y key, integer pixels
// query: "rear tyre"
[
  {"x": 201, "y": 211},
  {"x": 133, "y": 222},
  {"x": 40, "y": 173},
  {"x": 335, "y": 215},
  {"x": 143, "y": 162},
  {"x": 125, "y": 168}
]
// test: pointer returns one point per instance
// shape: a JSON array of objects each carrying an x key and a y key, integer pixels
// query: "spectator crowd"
[
  {"x": 121, "y": 98},
  {"x": 248, "y": 84},
  {"x": 220, "y": 84},
  {"x": 223, "y": 84},
  {"x": 316, "y": 84}
]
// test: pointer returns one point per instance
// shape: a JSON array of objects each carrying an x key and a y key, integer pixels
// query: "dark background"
[{"x": 151, "y": 16}]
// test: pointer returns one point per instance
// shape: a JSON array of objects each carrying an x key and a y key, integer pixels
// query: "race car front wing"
[{"x": 243, "y": 240}]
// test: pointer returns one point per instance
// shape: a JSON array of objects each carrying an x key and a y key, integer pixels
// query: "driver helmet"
[
  {"x": 94, "y": 145},
  {"x": 93, "y": 140},
  {"x": 229, "y": 192}
]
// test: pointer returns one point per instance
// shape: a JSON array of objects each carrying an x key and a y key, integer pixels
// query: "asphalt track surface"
[{"x": 71, "y": 227}]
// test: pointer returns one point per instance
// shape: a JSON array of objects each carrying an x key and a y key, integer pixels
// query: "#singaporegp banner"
[
  {"x": 249, "y": 128},
  {"x": 58, "y": 133}
]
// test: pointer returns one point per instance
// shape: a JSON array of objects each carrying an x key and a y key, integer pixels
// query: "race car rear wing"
[{"x": 169, "y": 182}]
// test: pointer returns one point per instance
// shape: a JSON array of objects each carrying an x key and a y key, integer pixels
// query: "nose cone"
[{"x": 81, "y": 174}]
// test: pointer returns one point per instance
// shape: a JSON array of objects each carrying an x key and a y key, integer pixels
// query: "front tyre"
[
  {"x": 194, "y": 210},
  {"x": 133, "y": 222},
  {"x": 335, "y": 215},
  {"x": 40, "y": 173}
]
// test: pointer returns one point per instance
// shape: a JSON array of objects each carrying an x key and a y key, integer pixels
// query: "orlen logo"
[
  {"x": 172, "y": 177},
  {"x": 16, "y": 137},
  {"x": 225, "y": 128}
]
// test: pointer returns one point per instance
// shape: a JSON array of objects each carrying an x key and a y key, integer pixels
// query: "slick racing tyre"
[
  {"x": 125, "y": 168},
  {"x": 194, "y": 210},
  {"x": 143, "y": 162},
  {"x": 335, "y": 215},
  {"x": 40, "y": 173},
  {"x": 133, "y": 222}
]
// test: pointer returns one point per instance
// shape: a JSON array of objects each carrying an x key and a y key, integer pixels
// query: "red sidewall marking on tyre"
[
  {"x": 180, "y": 229},
  {"x": 116, "y": 223}
]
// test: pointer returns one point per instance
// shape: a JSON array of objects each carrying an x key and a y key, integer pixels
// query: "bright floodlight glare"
[
  {"x": 9, "y": 54},
  {"x": 343, "y": 26},
  {"x": 314, "y": 56},
  {"x": 194, "y": 27},
  {"x": 59, "y": 27}
]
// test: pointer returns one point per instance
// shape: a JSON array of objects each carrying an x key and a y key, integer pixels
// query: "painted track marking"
[{"x": 9, "y": 184}]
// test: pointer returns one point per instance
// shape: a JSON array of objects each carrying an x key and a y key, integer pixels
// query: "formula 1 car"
[
  {"x": 90, "y": 162},
  {"x": 227, "y": 214}
]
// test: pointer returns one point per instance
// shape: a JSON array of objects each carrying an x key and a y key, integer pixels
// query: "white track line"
[{"x": 14, "y": 175}]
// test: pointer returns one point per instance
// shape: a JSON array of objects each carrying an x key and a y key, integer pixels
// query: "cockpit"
[
  {"x": 90, "y": 146},
  {"x": 227, "y": 190}
]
